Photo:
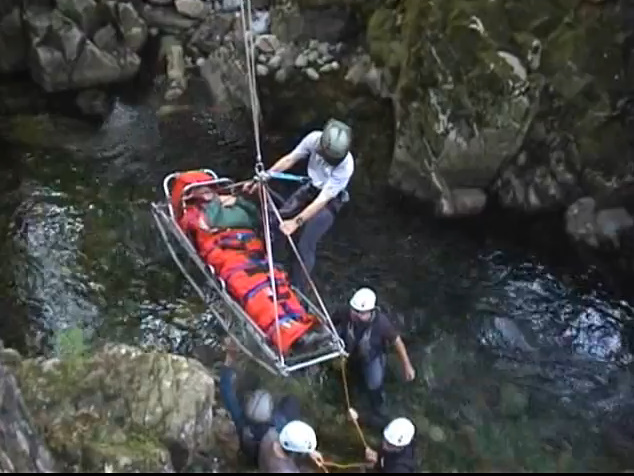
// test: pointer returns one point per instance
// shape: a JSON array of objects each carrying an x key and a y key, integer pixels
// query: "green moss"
[
  {"x": 382, "y": 38},
  {"x": 134, "y": 451}
]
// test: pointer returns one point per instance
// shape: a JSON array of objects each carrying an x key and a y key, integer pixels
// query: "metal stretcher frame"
[{"x": 163, "y": 214}]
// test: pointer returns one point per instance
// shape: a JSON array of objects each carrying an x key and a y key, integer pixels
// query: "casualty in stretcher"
[{"x": 223, "y": 235}]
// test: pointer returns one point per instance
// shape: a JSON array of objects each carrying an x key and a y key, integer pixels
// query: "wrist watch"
[{"x": 299, "y": 220}]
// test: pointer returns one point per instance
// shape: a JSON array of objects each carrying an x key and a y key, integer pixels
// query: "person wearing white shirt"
[{"x": 313, "y": 206}]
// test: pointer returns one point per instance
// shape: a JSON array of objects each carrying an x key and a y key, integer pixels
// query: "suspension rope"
[
  {"x": 267, "y": 201},
  {"x": 344, "y": 376},
  {"x": 299, "y": 259},
  {"x": 344, "y": 379},
  {"x": 249, "y": 50},
  {"x": 269, "y": 258}
]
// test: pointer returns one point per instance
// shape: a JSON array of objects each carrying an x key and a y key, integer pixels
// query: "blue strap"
[
  {"x": 258, "y": 287},
  {"x": 246, "y": 265},
  {"x": 291, "y": 177},
  {"x": 288, "y": 315}
]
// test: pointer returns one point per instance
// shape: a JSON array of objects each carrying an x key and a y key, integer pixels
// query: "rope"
[
  {"x": 331, "y": 464},
  {"x": 299, "y": 258},
  {"x": 344, "y": 378},
  {"x": 249, "y": 49},
  {"x": 269, "y": 258}
]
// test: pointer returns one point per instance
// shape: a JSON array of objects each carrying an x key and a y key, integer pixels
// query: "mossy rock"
[
  {"x": 119, "y": 402},
  {"x": 386, "y": 49}
]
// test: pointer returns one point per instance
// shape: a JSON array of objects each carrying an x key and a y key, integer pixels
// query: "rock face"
[
  {"x": 13, "y": 45},
  {"x": 121, "y": 408},
  {"x": 71, "y": 44},
  {"x": 82, "y": 43},
  {"x": 22, "y": 450},
  {"x": 512, "y": 98}
]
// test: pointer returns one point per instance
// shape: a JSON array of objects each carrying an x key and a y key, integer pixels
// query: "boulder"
[
  {"x": 82, "y": 44},
  {"x": 22, "y": 449},
  {"x": 120, "y": 408},
  {"x": 511, "y": 98}
]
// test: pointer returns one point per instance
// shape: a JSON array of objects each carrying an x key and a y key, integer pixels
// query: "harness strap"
[
  {"x": 236, "y": 242},
  {"x": 286, "y": 316},
  {"x": 258, "y": 287}
]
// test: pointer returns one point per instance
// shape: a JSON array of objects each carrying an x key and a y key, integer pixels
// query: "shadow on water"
[{"x": 517, "y": 365}]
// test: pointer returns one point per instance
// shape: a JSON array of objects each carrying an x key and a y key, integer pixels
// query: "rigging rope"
[
  {"x": 249, "y": 50},
  {"x": 266, "y": 200}
]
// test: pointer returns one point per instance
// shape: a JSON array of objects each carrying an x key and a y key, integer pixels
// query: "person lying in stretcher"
[{"x": 225, "y": 231}]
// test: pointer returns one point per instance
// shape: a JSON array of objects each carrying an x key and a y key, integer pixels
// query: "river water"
[{"x": 517, "y": 364}]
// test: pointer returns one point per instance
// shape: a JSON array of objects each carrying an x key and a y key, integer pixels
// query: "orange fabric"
[
  {"x": 248, "y": 281},
  {"x": 181, "y": 181}
]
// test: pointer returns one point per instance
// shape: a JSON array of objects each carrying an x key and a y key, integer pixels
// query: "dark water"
[{"x": 80, "y": 249}]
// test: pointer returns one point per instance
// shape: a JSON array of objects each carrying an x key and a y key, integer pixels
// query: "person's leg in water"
[{"x": 374, "y": 374}]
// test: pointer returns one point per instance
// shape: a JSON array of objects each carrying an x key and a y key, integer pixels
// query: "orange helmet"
[{"x": 182, "y": 181}]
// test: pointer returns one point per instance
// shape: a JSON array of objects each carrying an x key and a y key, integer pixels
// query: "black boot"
[{"x": 378, "y": 415}]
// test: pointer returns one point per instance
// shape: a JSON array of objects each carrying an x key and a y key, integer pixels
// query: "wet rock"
[
  {"x": 287, "y": 23},
  {"x": 594, "y": 227},
  {"x": 166, "y": 19},
  {"x": 191, "y": 8},
  {"x": 94, "y": 103},
  {"x": 175, "y": 67},
  {"x": 120, "y": 407},
  {"x": 160, "y": 3},
  {"x": 224, "y": 72},
  {"x": 462, "y": 202},
  {"x": 22, "y": 449},
  {"x": 64, "y": 54},
  {"x": 511, "y": 334},
  {"x": 328, "y": 24},
  {"x": 311, "y": 74},
  {"x": 211, "y": 32},
  {"x": 20, "y": 97},
  {"x": 275, "y": 62},
  {"x": 301, "y": 61},
  {"x": 513, "y": 402},
  {"x": 132, "y": 26},
  {"x": 13, "y": 43},
  {"x": 267, "y": 44},
  {"x": 362, "y": 70},
  {"x": 476, "y": 125}
]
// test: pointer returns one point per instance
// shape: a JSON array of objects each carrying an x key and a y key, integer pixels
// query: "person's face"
[
  {"x": 361, "y": 316},
  {"x": 390, "y": 448},
  {"x": 203, "y": 193}
]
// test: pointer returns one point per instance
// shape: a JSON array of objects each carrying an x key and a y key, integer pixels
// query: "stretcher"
[{"x": 226, "y": 310}]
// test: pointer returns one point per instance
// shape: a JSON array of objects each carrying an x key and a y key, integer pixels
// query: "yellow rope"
[
  {"x": 332, "y": 464},
  {"x": 345, "y": 388}
]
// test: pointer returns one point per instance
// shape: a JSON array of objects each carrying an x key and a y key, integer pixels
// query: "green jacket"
[{"x": 243, "y": 214}]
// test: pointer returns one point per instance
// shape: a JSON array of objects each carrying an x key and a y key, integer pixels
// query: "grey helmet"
[
  {"x": 259, "y": 407},
  {"x": 335, "y": 141}
]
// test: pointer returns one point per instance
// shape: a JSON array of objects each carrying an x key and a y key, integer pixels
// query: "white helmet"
[
  {"x": 298, "y": 437},
  {"x": 399, "y": 432},
  {"x": 363, "y": 300},
  {"x": 259, "y": 407}
]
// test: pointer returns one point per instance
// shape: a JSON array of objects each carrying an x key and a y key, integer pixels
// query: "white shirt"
[{"x": 330, "y": 180}]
